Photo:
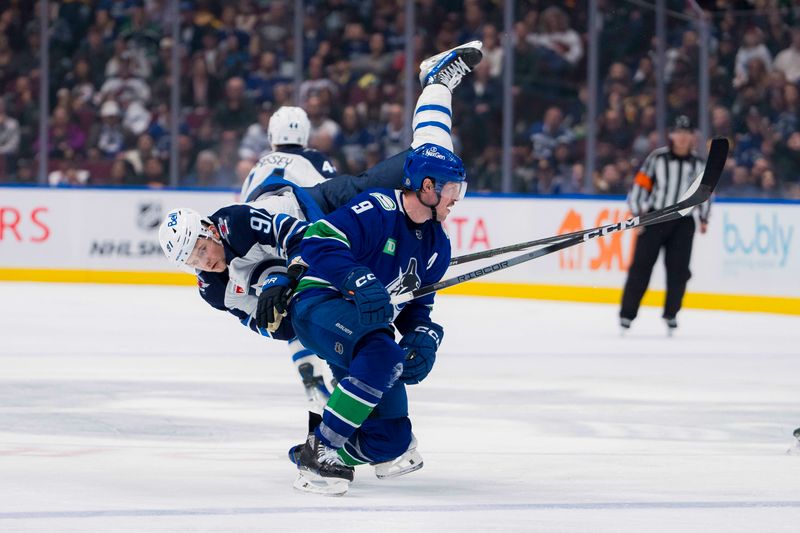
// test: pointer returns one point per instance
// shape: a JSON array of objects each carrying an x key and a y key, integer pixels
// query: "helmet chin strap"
[{"x": 434, "y": 217}]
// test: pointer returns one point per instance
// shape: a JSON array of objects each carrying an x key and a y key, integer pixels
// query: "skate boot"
[
  {"x": 795, "y": 449},
  {"x": 410, "y": 461},
  {"x": 316, "y": 391},
  {"x": 672, "y": 325},
  {"x": 449, "y": 67},
  {"x": 624, "y": 325},
  {"x": 321, "y": 471}
]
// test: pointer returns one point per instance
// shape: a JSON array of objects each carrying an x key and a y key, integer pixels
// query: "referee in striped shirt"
[{"x": 664, "y": 177}]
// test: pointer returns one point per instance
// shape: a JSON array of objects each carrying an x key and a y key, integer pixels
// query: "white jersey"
[{"x": 304, "y": 167}]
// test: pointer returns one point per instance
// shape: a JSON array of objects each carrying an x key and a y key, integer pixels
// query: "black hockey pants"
[{"x": 676, "y": 238}]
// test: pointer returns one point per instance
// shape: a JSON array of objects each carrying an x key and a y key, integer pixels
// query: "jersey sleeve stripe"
[{"x": 322, "y": 229}]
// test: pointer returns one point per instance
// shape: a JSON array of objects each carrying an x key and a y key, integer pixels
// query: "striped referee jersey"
[{"x": 662, "y": 180}]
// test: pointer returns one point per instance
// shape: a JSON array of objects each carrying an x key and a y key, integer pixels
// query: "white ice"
[{"x": 141, "y": 409}]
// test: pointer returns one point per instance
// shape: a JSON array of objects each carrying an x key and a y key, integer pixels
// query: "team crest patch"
[
  {"x": 239, "y": 290},
  {"x": 202, "y": 285},
  {"x": 386, "y": 202},
  {"x": 406, "y": 281},
  {"x": 222, "y": 226}
]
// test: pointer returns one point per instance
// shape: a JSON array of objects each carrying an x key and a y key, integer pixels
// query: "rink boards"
[{"x": 748, "y": 260}]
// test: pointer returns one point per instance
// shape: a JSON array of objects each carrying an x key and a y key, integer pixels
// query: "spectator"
[
  {"x": 207, "y": 172},
  {"x": 545, "y": 135},
  {"x": 145, "y": 149},
  {"x": 256, "y": 138},
  {"x": 321, "y": 124},
  {"x": 65, "y": 140},
  {"x": 316, "y": 81},
  {"x": 9, "y": 137},
  {"x": 562, "y": 43},
  {"x": 107, "y": 139},
  {"x": 788, "y": 60},
  {"x": 752, "y": 48},
  {"x": 154, "y": 175},
  {"x": 69, "y": 174},
  {"x": 352, "y": 141},
  {"x": 391, "y": 137},
  {"x": 235, "y": 112},
  {"x": 262, "y": 81},
  {"x": 200, "y": 89}
]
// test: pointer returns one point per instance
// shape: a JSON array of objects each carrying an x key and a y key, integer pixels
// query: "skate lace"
[
  {"x": 454, "y": 71},
  {"x": 328, "y": 456}
]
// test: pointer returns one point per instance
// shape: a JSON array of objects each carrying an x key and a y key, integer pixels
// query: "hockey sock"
[
  {"x": 433, "y": 117},
  {"x": 350, "y": 404},
  {"x": 300, "y": 354}
]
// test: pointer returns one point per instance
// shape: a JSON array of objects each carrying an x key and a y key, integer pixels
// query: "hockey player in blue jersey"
[{"x": 383, "y": 242}]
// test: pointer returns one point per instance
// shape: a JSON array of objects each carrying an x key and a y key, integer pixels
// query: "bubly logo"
[{"x": 764, "y": 237}]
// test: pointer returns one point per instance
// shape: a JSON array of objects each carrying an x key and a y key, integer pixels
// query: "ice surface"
[{"x": 141, "y": 409}]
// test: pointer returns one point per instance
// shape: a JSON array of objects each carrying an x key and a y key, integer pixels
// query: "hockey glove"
[
  {"x": 273, "y": 301},
  {"x": 420, "y": 346},
  {"x": 369, "y": 295}
]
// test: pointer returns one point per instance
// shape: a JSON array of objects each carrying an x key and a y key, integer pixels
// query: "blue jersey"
[
  {"x": 257, "y": 244},
  {"x": 373, "y": 230}
]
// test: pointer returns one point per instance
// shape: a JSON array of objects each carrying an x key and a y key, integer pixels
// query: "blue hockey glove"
[
  {"x": 420, "y": 346},
  {"x": 274, "y": 299},
  {"x": 370, "y": 296}
]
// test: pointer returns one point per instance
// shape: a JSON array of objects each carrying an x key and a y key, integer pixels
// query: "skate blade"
[
  {"x": 411, "y": 461},
  {"x": 316, "y": 484}
]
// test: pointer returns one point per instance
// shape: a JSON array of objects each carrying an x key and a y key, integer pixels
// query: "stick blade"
[
  {"x": 700, "y": 190},
  {"x": 717, "y": 156}
]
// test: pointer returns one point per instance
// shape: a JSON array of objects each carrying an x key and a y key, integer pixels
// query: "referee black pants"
[{"x": 676, "y": 238}]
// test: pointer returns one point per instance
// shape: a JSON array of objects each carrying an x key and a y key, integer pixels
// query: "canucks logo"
[{"x": 406, "y": 281}]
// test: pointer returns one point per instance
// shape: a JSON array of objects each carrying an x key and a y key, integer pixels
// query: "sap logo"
[{"x": 765, "y": 239}]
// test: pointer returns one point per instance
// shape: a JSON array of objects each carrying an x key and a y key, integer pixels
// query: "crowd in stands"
[{"x": 110, "y": 80}]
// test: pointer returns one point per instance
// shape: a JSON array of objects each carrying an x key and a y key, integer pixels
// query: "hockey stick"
[
  {"x": 690, "y": 198},
  {"x": 699, "y": 192}
]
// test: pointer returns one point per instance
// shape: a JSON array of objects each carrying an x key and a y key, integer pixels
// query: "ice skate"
[
  {"x": 672, "y": 325},
  {"x": 321, "y": 471},
  {"x": 316, "y": 391},
  {"x": 795, "y": 449},
  {"x": 450, "y": 66},
  {"x": 410, "y": 461}
]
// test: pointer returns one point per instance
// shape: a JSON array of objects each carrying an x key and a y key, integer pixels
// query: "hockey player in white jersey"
[{"x": 290, "y": 157}]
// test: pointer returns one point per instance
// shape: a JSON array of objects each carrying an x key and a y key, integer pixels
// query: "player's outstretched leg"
[
  {"x": 410, "y": 461},
  {"x": 321, "y": 470},
  {"x": 309, "y": 366},
  {"x": 449, "y": 67}
]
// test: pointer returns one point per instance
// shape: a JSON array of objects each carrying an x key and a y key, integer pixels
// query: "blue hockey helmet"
[{"x": 439, "y": 164}]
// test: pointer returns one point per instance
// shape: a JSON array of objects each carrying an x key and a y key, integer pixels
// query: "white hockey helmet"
[
  {"x": 289, "y": 125},
  {"x": 179, "y": 233}
]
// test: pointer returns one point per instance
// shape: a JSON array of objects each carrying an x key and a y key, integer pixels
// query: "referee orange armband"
[{"x": 643, "y": 181}]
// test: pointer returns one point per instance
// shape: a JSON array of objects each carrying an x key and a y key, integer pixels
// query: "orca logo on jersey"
[{"x": 406, "y": 281}]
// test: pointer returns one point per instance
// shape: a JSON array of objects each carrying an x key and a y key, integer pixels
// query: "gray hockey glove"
[{"x": 420, "y": 346}]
